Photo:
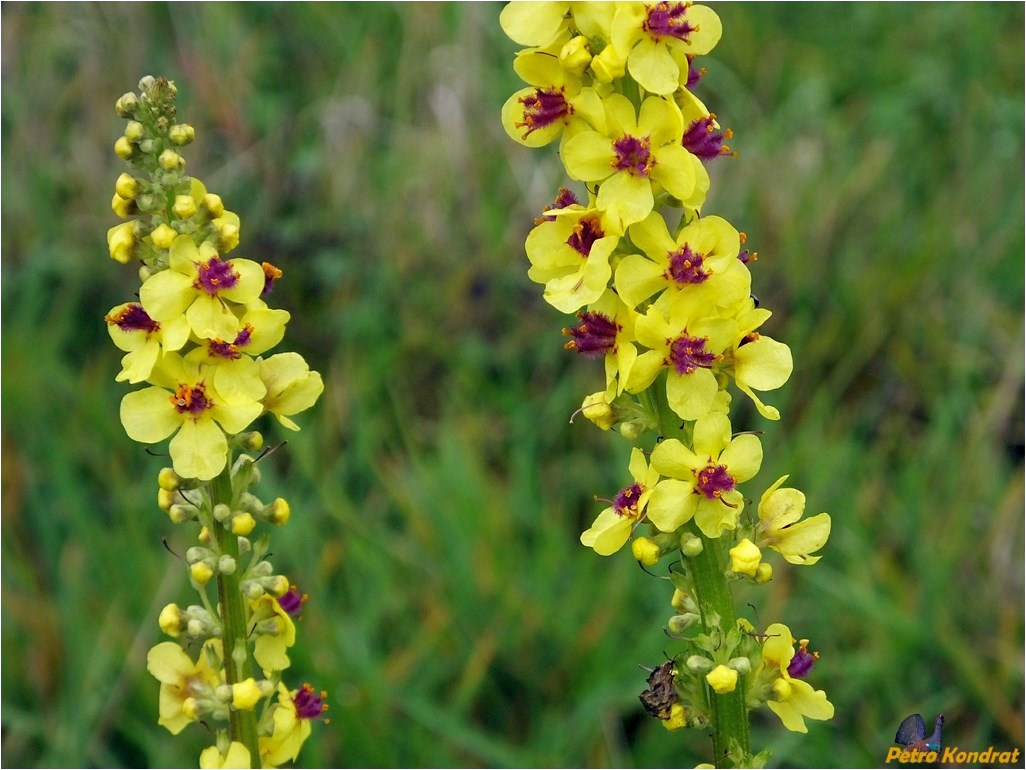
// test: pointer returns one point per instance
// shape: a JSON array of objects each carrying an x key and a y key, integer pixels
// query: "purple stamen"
[
  {"x": 587, "y": 230},
  {"x": 543, "y": 108},
  {"x": 713, "y": 481},
  {"x": 668, "y": 20},
  {"x": 594, "y": 335},
  {"x": 132, "y": 318},
  {"x": 191, "y": 400},
  {"x": 216, "y": 276},
  {"x": 702, "y": 139},
  {"x": 633, "y": 155},
  {"x": 291, "y": 602},
  {"x": 801, "y": 663},
  {"x": 308, "y": 704},
  {"x": 689, "y": 353},
  {"x": 686, "y": 267},
  {"x": 626, "y": 502}
]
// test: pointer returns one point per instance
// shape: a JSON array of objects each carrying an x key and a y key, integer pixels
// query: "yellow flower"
[
  {"x": 569, "y": 253},
  {"x": 722, "y": 679},
  {"x": 794, "y": 699},
  {"x": 745, "y": 558},
  {"x": 703, "y": 483},
  {"x": 291, "y": 724},
  {"x": 688, "y": 342},
  {"x": 700, "y": 265},
  {"x": 779, "y": 512},
  {"x": 190, "y": 408},
  {"x": 647, "y": 35},
  {"x": 614, "y": 525},
  {"x": 198, "y": 283},
  {"x": 270, "y": 648},
  {"x": 607, "y": 329},
  {"x": 237, "y": 756},
  {"x": 144, "y": 339},
  {"x": 637, "y": 150},
  {"x": 758, "y": 362},
  {"x": 180, "y": 680},
  {"x": 291, "y": 386}
]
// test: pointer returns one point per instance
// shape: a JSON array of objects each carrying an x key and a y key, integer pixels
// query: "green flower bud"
[
  {"x": 179, "y": 514},
  {"x": 222, "y": 512},
  {"x": 148, "y": 146},
  {"x": 226, "y": 564},
  {"x": 741, "y": 665},
  {"x": 678, "y": 624},
  {"x": 146, "y": 83},
  {"x": 690, "y": 545},
  {"x": 699, "y": 664}
]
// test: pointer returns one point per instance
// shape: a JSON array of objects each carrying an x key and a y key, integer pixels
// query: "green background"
[{"x": 437, "y": 488}]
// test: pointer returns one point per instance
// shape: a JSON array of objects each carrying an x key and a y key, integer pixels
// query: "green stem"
[
  {"x": 716, "y": 605},
  {"x": 242, "y": 724}
]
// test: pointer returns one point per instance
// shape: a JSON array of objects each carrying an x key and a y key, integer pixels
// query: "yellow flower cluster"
[
  {"x": 201, "y": 325},
  {"x": 198, "y": 335},
  {"x": 662, "y": 294}
]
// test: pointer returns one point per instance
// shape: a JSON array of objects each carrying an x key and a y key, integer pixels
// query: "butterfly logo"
[{"x": 912, "y": 733}]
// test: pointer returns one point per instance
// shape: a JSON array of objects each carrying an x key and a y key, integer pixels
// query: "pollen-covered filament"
[
  {"x": 688, "y": 354},
  {"x": 191, "y": 399},
  {"x": 714, "y": 481},
  {"x": 669, "y": 20}
]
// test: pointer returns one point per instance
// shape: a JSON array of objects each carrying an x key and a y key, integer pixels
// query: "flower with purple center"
[
  {"x": 688, "y": 343},
  {"x": 612, "y": 528},
  {"x": 292, "y": 601},
  {"x": 757, "y": 362},
  {"x": 637, "y": 150},
  {"x": 654, "y": 37},
  {"x": 570, "y": 251},
  {"x": 183, "y": 402},
  {"x": 793, "y": 700},
  {"x": 198, "y": 284},
  {"x": 143, "y": 339},
  {"x": 699, "y": 266},
  {"x": 802, "y": 662},
  {"x": 290, "y": 724},
  {"x": 702, "y": 483},
  {"x": 607, "y": 329}
]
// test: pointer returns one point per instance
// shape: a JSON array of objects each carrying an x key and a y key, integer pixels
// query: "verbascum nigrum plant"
[
  {"x": 662, "y": 293},
  {"x": 197, "y": 339}
]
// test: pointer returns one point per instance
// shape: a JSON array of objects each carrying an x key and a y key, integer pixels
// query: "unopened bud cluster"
[{"x": 197, "y": 336}]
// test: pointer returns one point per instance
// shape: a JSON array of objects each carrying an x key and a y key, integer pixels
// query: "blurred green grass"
[{"x": 437, "y": 489}]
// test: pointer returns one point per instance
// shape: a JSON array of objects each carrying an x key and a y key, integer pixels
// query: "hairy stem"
[
  {"x": 716, "y": 605},
  {"x": 242, "y": 725}
]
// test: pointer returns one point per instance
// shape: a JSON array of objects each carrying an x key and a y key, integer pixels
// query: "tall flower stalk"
[
  {"x": 663, "y": 297},
  {"x": 198, "y": 337}
]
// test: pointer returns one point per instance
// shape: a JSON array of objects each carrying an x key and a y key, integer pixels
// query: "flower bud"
[
  {"x": 764, "y": 573},
  {"x": 121, "y": 242},
  {"x": 204, "y": 535},
  {"x": 699, "y": 664},
  {"x": 201, "y": 572},
  {"x": 598, "y": 410},
  {"x": 226, "y": 564},
  {"x": 123, "y": 148},
  {"x": 222, "y": 512},
  {"x": 678, "y": 624},
  {"x": 278, "y": 586},
  {"x": 690, "y": 545},
  {"x": 575, "y": 55},
  {"x": 741, "y": 665},
  {"x": 171, "y": 620},
  {"x": 122, "y": 207},
  {"x": 212, "y": 203},
  {"x": 228, "y": 235},
  {"x": 677, "y": 718},
  {"x": 645, "y": 551},
  {"x": 181, "y": 133},
  {"x": 243, "y": 523},
  {"x": 148, "y": 202},
  {"x": 165, "y": 499},
  {"x": 184, "y": 206},
  {"x": 127, "y": 105},
  {"x": 745, "y": 558},
  {"x": 148, "y": 146},
  {"x": 190, "y": 708},
  {"x": 127, "y": 186},
  {"x": 179, "y": 514},
  {"x": 722, "y": 679},
  {"x": 246, "y": 694},
  {"x": 134, "y": 131},
  {"x": 163, "y": 236},
  {"x": 170, "y": 160},
  {"x": 168, "y": 479},
  {"x": 146, "y": 82},
  {"x": 278, "y": 512}
]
